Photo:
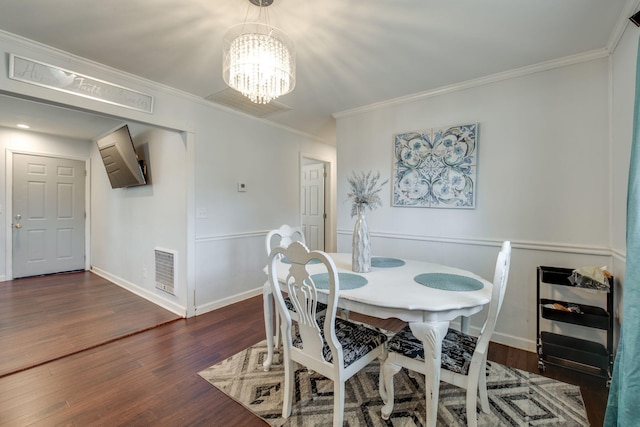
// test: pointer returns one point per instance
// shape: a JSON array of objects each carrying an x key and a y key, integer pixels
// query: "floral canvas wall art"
[{"x": 436, "y": 168}]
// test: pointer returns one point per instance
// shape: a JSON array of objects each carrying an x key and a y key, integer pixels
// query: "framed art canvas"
[{"x": 436, "y": 168}]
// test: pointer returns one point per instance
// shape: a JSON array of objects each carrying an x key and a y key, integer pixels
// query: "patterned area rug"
[{"x": 517, "y": 398}]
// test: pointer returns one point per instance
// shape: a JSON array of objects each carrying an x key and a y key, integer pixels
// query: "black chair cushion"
[
  {"x": 457, "y": 348},
  {"x": 320, "y": 307},
  {"x": 356, "y": 340}
]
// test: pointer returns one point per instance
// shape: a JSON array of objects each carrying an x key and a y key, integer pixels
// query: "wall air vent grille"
[{"x": 166, "y": 261}]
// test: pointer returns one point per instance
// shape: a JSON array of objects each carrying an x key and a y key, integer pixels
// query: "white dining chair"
[
  {"x": 282, "y": 236},
  {"x": 464, "y": 357},
  {"x": 331, "y": 346}
]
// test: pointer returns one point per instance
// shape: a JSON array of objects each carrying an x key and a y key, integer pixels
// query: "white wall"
[
  {"x": 230, "y": 241},
  {"x": 623, "y": 71},
  {"x": 198, "y": 153},
  {"x": 544, "y": 180},
  {"x": 129, "y": 223},
  {"x": 623, "y": 96}
]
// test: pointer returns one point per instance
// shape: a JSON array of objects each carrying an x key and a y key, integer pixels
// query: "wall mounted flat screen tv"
[{"x": 120, "y": 159}]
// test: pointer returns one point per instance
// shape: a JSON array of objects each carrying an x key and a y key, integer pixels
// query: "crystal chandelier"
[{"x": 258, "y": 59}]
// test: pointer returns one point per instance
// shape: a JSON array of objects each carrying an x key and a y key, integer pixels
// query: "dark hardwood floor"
[
  {"x": 48, "y": 317},
  {"x": 151, "y": 377}
]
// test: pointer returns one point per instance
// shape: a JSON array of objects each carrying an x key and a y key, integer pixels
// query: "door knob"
[{"x": 18, "y": 225}]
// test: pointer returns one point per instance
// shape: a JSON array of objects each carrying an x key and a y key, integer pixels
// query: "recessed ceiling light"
[{"x": 23, "y": 126}]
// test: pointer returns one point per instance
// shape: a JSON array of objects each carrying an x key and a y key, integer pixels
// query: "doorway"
[
  {"x": 312, "y": 204},
  {"x": 48, "y": 215}
]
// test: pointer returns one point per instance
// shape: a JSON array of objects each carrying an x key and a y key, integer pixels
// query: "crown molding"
[
  {"x": 493, "y": 78},
  {"x": 621, "y": 25}
]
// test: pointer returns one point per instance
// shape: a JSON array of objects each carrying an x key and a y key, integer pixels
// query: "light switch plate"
[{"x": 202, "y": 213}]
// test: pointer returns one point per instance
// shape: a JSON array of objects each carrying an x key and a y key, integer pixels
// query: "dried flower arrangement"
[{"x": 364, "y": 191}]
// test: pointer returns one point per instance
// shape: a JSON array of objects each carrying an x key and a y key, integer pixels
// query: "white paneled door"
[
  {"x": 48, "y": 215},
  {"x": 313, "y": 205}
]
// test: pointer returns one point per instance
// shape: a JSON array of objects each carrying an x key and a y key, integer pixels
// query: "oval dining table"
[{"x": 426, "y": 295}]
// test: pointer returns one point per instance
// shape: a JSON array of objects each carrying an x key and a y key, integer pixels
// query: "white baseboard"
[
  {"x": 504, "y": 339},
  {"x": 515, "y": 342},
  {"x": 228, "y": 301},
  {"x": 144, "y": 293}
]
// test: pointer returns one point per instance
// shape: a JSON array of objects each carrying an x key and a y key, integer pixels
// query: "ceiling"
[{"x": 349, "y": 53}]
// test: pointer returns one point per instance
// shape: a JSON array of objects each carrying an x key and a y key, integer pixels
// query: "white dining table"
[{"x": 403, "y": 289}]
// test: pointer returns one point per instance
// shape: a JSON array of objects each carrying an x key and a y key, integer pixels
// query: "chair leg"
[
  {"x": 338, "y": 402},
  {"x": 289, "y": 385},
  {"x": 277, "y": 340},
  {"x": 472, "y": 416},
  {"x": 389, "y": 369},
  {"x": 482, "y": 388},
  {"x": 267, "y": 302},
  {"x": 382, "y": 389},
  {"x": 472, "y": 396}
]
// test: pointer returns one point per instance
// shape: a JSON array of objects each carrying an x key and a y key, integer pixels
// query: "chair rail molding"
[
  {"x": 619, "y": 255},
  {"x": 232, "y": 236},
  {"x": 523, "y": 244}
]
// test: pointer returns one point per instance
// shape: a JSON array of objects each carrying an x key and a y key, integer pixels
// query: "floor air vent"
[{"x": 166, "y": 261}]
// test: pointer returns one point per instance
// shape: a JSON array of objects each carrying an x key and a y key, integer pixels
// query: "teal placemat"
[
  {"x": 285, "y": 260},
  {"x": 449, "y": 282},
  {"x": 381, "y": 262},
  {"x": 347, "y": 281}
]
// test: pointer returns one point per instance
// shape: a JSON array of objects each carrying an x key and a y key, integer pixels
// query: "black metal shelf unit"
[{"x": 557, "y": 349}]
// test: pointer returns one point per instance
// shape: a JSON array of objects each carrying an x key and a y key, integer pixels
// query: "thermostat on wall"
[{"x": 242, "y": 186}]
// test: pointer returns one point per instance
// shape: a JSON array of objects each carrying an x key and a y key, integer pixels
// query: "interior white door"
[
  {"x": 313, "y": 205},
  {"x": 48, "y": 215}
]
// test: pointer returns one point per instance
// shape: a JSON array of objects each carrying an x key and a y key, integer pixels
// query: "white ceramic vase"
[{"x": 361, "y": 251}]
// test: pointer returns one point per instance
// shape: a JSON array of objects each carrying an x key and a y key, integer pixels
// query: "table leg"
[
  {"x": 267, "y": 298},
  {"x": 431, "y": 334},
  {"x": 464, "y": 325}
]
